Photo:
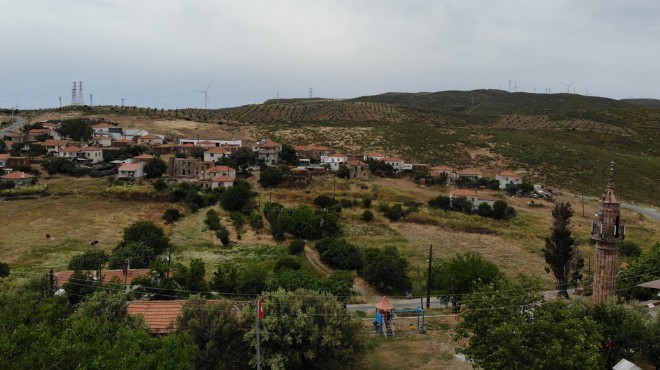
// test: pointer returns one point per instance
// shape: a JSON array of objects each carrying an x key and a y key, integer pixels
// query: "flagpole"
[{"x": 257, "y": 332}]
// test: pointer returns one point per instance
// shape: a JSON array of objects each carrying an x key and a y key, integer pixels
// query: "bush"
[
  {"x": 366, "y": 202},
  {"x": 393, "y": 213},
  {"x": 171, "y": 215},
  {"x": 4, "y": 270},
  {"x": 346, "y": 203},
  {"x": 386, "y": 269},
  {"x": 630, "y": 249},
  {"x": 271, "y": 177},
  {"x": 367, "y": 215},
  {"x": 256, "y": 221},
  {"x": 340, "y": 254},
  {"x": 296, "y": 246},
  {"x": 287, "y": 262},
  {"x": 324, "y": 201},
  {"x": 212, "y": 220},
  {"x": 441, "y": 202},
  {"x": 147, "y": 233},
  {"x": 223, "y": 235}
]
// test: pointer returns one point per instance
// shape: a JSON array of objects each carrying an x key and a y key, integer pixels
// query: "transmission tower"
[
  {"x": 81, "y": 97},
  {"x": 74, "y": 94}
]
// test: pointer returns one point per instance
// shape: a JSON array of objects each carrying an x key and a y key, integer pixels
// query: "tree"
[
  {"x": 296, "y": 246},
  {"x": 367, "y": 215},
  {"x": 560, "y": 252},
  {"x": 138, "y": 254},
  {"x": 155, "y": 167},
  {"x": 238, "y": 197},
  {"x": 216, "y": 330},
  {"x": 149, "y": 234},
  {"x": 288, "y": 154},
  {"x": 212, "y": 220},
  {"x": 223, "y": 235},
  {"x": 461, "y": 275},
  {"x": 305, "y": 329},
  {"x": 642, "y": 270},
  {"x": 252, "y": 280},
  {"x": 90, "y": 260},
  {"x": 171, "y": 215},
  {"x": 160, "y": 185},
  {"x": 386, "y": 269},
  {"x": 629, "y": 248},
  {"x": 462, "y": 204},
  {"x": 76, "y": 129},
  {"x": 324, "y": 201},
  {"x": 340, "y": 254},
  {"x": 191, "y": 278},
  {"x": 441, "y": 201},
  {"x": 511, "y": 328},
  {"x": 271, "y": 177},
  {"x": 225, "y": 278},
  {"x": 484, "y": 210}
]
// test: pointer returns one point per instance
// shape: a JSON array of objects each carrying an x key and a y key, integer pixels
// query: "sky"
[{"x": 166, "y": 53}]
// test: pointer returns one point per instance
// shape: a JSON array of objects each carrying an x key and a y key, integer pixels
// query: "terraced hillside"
[{"x": 561, "y": 140}]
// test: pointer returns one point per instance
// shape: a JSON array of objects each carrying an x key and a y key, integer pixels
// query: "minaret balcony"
[{"x": 608, "y": 233}]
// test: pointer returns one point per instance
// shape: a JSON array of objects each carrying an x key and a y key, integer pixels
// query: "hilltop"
[{"x": 560, "y": 140}]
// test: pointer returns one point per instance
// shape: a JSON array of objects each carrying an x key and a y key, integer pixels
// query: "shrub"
[
  {"x": 367, "y": 215},
  {"x": 212, "y": 220},
  {"x": 386, "y": 269},
  {"x": 223, "y": 235},
  {"x": 346, "y": 203},
  {"x": 366, "y": 202},
  {"x": 4, "y": 270},
  {"x": 630, "y": 249},
  {"x": 139, "y": 254},
  {"x": 149, "y": 234},
  {"x": 90, "y": 260},
  {"x": 296, "y": 246},
  {"x": 340, "y": 254},
  {"x": 256, "y": 221},
  {"x": 324, "y": 201},
  {"x": 171, "y": 215},
  {"x": 287, "y": 262},
  {"x": 441, "y": 201}
]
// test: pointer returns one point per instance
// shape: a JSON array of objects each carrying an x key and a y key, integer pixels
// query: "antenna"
[
  {"x": 91, "y": 102},
  {"x": 310, "y": 93},
  {"x": 206, "y": 95},
  {"x": 568, "y": 86}
]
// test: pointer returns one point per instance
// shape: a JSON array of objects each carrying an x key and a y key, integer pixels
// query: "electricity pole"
[{"x": 428, "y": 287}]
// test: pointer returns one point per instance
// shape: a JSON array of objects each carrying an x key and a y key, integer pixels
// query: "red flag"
[{"x": 260, "y": 307}]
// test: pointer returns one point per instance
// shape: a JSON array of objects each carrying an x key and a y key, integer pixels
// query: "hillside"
[{"x": 561, "y": 140}]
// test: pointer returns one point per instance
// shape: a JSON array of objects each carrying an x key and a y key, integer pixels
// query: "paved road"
[
  {"x": 18, "y": 123},
  {"x": 646, "y": 211}
]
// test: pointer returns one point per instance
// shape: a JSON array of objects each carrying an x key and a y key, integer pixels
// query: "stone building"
[{"x": 608, "y": 232}]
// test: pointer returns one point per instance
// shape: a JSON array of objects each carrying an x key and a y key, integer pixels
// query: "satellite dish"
[{"x": 60, "y": 292}]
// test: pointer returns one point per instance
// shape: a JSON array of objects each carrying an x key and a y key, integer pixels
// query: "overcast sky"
[{"x": 160, "y": 53}]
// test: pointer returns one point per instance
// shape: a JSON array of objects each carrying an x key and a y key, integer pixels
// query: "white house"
[
  {"x": 373, "y": 155},
  {"x": 216, "y": 153},
  {"x": 222, "y": 181},
  {"x": 207, "y": 143},
  {"x": 396, "y": 163},
  {"x": 334, "y": 160},
  {"x": 144, "y": 158},
  {"x": 448, "y": 172},
  {"x": 150, "y": 139},
  {"x": 218, "y": 171},
  {"x": 102, "y": 140},
  {"x": 20, "y": 179},
  {"x": 268, "y": 151},
  {"x": 70, "y": 152},
  {"x": 131, "y": 171},
  {"x": 508, "y": 177},
  {"x": 107, "y": 129},
  {"x": 3, "y": 160},
  {"x": 471, "y": 195},
  {"x": 91, "y": 153},
  {"x": 470, "y": 173}
]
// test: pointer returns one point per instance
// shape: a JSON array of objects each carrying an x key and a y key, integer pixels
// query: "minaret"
[{"x": 608, "y": 232}]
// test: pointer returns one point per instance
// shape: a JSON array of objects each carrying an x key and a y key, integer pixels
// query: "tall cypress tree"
[{"x": 560, "y": 252}]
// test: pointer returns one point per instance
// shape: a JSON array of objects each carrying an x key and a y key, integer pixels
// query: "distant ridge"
[{"x": 644, "y": 103}]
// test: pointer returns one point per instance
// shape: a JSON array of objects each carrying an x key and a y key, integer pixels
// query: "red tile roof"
[
  {"x": 123, "y": 141},
  {"x": 223, "y": 179},
  {"x": 464, "y": 193},
  {"x": 469, "y": 171},
  {"x": 107, "y": 275},
  {"x": 17, "y": 175},
  {"x": 218, "y": 150},
  {"x": 374, "y": 155},
  {"x": 338, "y": 155},
  {"x": 441, "y": 168},
  {"x": 269, "y": 144},
  {"x": 392, "y": 159},
  {"x": 39, "y": 131},
  {"x": 4, "y": 156},
  {"x": 221, "y": 169},
  {"x": 89, "y": 149},
  {"x": 160, "y": 316},
  {"x": 509, "y": 174},
  {"x": 70, "y": 149},
  {"x": 51, "y": 142},
  {"x": 149, "y": 137},
  {"x": 130, "y": 166},
  {"x": 144, "y": 156}
]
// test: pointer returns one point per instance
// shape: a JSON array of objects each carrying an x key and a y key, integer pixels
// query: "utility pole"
[
  {"x": 310, "y": 93},
  {"x": 428, "y": 287},
  {"x": 91, "y": 102},
  {"x": 257, "y": 332},
  {"x": 122, "y": 102},
  {"x": 60, "y": 102}
]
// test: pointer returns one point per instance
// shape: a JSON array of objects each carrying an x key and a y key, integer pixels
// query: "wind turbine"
[
  {"x": 206, "y": 95},
  {"x": 568, "y": 86},
  {"x": 515, "y": 87}
]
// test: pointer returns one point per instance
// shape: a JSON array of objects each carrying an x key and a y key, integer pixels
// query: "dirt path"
[{"x": 359, "y": 285}]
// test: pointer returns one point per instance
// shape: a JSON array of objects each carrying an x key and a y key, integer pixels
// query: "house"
[
  {"x": 54, "y": 146},
  {"x": 142, "y": 158},
  {"x": 311, "y": 151},
  {"x": 205, "y": 143},
  {"x": 268, "y": 151},
  {"x": 469, "y": 173},
  {"x": 222, "y": 181},
  {"x": 122, "y": 143},
  {"x": 449, "y": 173},
  {"x": 107, "y": 129},
  {"x": 70, "y": 152},
  {"x": 102, "y": 140},
  {"x": 217, "y": 171},
  {"x": 374, "y": 155},
  {"x": 91, "y": 153},
  {"x": 358, "y": 170},
  {"x": 36, "y": 132},
  {"x": 189, "y": 149},
  {"x": 159, "y": 316},
  {"x": 131, "y": 171},
  {"x": 508, "y": 177},
  {"x": 150, "y": 140},
  {"x": 133, "y": 133},
  {"x": 126, "y": 276},
  {"x": 20, "y": 179},
  {"x": 3, "y": 160},
  {"x": 334, "y": 160},
  {"x": 396, "y": 163},
  {"x": 187, "y": 168},
  {"x": 471, "y": 195},
  {"x": 215, "y": 153}
]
